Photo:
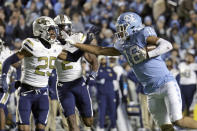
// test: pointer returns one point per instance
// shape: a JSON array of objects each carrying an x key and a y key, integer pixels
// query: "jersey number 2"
[{"x": 64, "y": 67}]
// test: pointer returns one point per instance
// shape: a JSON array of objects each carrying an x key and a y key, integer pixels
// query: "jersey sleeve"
[
  {"x": 28, "y": 45},
  {"x": 149, "y": 31}
]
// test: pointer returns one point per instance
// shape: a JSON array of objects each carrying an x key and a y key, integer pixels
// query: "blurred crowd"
[{"x": 174, "y": 20}]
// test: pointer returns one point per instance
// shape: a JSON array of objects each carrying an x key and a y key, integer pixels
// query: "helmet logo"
[
  {"x": 42, "y": 21},
  {"x": 62, "y": 18},
  {"x": 129, "y": 18}
]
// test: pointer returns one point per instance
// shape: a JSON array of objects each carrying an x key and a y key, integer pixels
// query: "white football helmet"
[
  {"x": 64, "y": 23},
  {"x": 41, "y": 27}
]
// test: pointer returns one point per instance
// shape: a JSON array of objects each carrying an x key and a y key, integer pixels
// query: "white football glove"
[
  {"x": 143, "y": 54},
  {"x": 76, "y": 38},
  {"x": 70, "y": 40}
]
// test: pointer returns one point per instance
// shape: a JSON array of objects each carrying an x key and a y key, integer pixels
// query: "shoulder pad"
[{"x": 28, "y": 44}]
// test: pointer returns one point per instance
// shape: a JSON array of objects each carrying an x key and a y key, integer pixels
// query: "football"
[{"x": 150, "y": 47}]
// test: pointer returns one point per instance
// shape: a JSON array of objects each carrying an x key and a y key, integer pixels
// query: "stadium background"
[{"x": 174, "y": 20}]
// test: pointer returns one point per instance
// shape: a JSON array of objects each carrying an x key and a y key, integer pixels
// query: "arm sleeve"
[
  {"x": 163, "y": 46},
  {"x": 73, "y": 57},
  {"x": 9, "y": 61}
]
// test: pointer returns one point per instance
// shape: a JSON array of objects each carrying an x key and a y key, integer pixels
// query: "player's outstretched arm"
[
  {"x": 72, "y": 57},
  {"x": 98, "y": 50},
  {"x": 162, "y": 46}
]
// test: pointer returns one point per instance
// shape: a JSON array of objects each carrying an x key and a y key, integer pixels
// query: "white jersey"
[
  {"x": 38, "y": 67},
  {"x": 4, "y": 54},
  {"x": 187, "y": 73},
  {"x": 69, "y": 71}
]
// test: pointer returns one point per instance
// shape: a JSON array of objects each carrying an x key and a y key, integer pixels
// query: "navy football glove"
[
  {"x": 17, "y": 84},
  {"x": 91, "y": 34},
  {"x": 92, "y": 76},
  {"x": 4, "y": 83}
]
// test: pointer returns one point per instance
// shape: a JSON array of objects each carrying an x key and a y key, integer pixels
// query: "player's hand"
[
  {"x": 4, "y": 83},
  {"x": 92, "y": 76},
  {"x": 76, "y": 38},
  {"x": 70, "y": 40},
  {"x": 143, "y": 54},
  {"x": 93, "y": 31},
  {"x": 64, "y": 35},
  {"x": 91, "y": 34},
  {"x": 150, "y": 48},
  {"x": 17, "y": 84}
]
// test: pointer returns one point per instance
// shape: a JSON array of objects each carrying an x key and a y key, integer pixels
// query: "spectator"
[
  {"x": 148, "y": 7},
  {"x": 77, "y": 23},
  {"x": 2, "y": 33},
  {"x": 136, "y": 6},
  {"x": 46, "y": 11},
  {"x": 175, "y": 37},
  {"x": 106, "y": 94},
  {"x": 20, "y": 31},
  {"x": 158, "y": 9},
  {"x": 188, "y": 81},
  {"x": 59, "y": 6},
  {"x": 160, "y": 27},
  {"x": 2, "y": 16},
  {"x": 188, "y": 40},
  {"x": 148, "y": 21}
]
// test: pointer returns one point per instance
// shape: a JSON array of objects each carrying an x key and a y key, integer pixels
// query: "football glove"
[
  {"x": 91, "y": 34},
  {"x": 92, "y": 76},
  {"x": 76, "y": 38},
  {"x": 17, "y": 84}
]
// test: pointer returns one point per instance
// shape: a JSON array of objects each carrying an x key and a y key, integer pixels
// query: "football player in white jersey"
[
  {"x": 4, "y": 53},
  {"x": 38, "y": 55},
  {"x": 71, "y": 87}
]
